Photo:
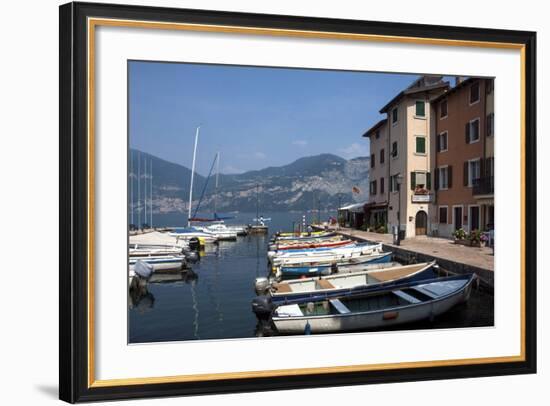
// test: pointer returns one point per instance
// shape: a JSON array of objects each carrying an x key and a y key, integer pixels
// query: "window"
[
  {"x": 472, "y": 172},
  {"x": 373, "y": 188},
  {"x": 420, "y": 145},
  {"x": 381, "y": 186},
  {"x": 382, "y": 157},
  {"x": 393, "y": 183},
  {"x": 443, "y": 214},
  {"x": 420, "y": 109},
  {"x": 474, "y": 93},
  {"x": 441, "y": 142},
  {"x": 372, "y": 160},
  {"x": 394, "y": 149},
  {"x": 472, "y": 131},
  {"x": 394, "y": 116},
  {"x": 420, "y": 180},
  {"x": 377, "y": 134},
  {"x": 443, "y": 109},
  {"x": 443, "y": 178},
  {"x": 490, "y": 124}
]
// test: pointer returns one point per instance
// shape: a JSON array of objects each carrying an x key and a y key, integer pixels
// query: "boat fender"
[
  {"x": 307, "y": 330},
  {"x": 262, "y": 306}
]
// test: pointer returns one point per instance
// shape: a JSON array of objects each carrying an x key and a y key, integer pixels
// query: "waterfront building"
[
  {"x": 407, "y": 135},
  {"x": 463, "y": 158},
  {"x": 376, "y": 209}
]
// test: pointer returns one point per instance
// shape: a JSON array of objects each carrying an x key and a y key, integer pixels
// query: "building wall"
[
  {"x": 380, "y": 170},
  {"x": 460, "y": 112},
  {"x": 416, "y": 126},
  {"x": 397, "y": 132}
]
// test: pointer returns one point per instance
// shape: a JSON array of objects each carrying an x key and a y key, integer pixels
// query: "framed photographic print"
[{"x": 256, "y": 202}]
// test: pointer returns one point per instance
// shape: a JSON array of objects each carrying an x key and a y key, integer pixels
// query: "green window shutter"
[
  {"x": 413, "y": 180},
  {"x": 420, "y": 109},
  {"x": 420, "y": 145},
  {"x": 429, "y": 180},
  {"x": 450, "y": 176},
  {"x": 436, "y": 179},
  {"x": 467, "y": 133},
  {"x": 465, "y": 175}
]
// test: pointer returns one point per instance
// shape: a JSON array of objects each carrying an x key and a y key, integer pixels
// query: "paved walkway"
[{"x": 436, "y": 247}]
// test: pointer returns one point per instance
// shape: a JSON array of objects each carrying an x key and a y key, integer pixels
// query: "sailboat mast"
[
  {"x": 216, "y": 188},
  {"x": 139, "y": 191},
  {"x": 193, "y": 175},
  {"x": 151, "y": 192},
  {"x": 257, "y": 203},
  {"x": 145, "y": 189},
  {"x": 131, "y": 187}
]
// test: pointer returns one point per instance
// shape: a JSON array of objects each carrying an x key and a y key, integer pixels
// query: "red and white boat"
[{"x": 328, "y": 244}]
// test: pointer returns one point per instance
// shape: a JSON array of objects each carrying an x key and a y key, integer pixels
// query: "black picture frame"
[{"x": 74, "y": 200}]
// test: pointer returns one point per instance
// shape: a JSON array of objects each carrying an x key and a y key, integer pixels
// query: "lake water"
[{"x": 214, "y": 302}]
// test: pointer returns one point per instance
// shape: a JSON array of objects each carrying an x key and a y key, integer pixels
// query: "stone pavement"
[{"x": 433, "y": 246}]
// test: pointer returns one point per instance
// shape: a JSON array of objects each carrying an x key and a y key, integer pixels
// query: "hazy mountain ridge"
[{"x": 324, "y": 180}]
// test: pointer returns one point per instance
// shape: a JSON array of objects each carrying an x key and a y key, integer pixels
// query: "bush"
[
  {"x": 459, "y": 234},
  {"x": 475, "y": 236}
]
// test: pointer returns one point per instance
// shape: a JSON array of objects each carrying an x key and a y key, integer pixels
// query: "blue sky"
[{"x": 256, "y": 117}]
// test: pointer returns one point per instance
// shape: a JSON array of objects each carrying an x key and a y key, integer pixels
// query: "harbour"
[{"x": 212, "y": 298}]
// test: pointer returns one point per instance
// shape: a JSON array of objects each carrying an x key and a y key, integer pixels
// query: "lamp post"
[{"x": 398, "y": 179}]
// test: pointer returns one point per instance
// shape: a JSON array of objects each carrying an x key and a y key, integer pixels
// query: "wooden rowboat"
[
  {"x": 405, "y": 303},
  {"x": 319, "y": 288}
]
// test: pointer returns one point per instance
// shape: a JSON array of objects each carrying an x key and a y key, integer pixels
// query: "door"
[
  {"x": 421, "y": 223},
  {"x": 474, "y": 218},
  {"x": 457, "y": 217}
]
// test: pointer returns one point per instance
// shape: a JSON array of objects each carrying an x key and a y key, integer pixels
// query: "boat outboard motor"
[
  {"x": 262, "y": 306},
  {"x": 192, "y": 256},
  {"x": 194, "y": 244},
  {"x": 143, "y": 269},
  {"x": 261, "y": 285}
]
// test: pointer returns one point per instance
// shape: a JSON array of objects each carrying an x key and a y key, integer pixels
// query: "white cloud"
[
  {"x": 300, "y": 143},
  {"x": 354, "y": 150},
  {"x": 259, "y": 155}
]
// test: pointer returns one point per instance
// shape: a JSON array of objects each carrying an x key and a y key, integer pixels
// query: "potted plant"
[
  {"x": 460, "y": 236},
  {"x": 475, "y": 238}
]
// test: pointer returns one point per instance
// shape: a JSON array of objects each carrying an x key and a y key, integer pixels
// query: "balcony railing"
[{"x": 484, "y": 185}]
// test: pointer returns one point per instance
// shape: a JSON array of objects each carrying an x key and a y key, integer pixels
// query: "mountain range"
[{"x": 324, "y": 180}]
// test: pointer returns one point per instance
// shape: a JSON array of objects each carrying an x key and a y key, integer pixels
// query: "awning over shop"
[
  {"x": 355, "y": 208},
  {"x": 375, "y": 206}
]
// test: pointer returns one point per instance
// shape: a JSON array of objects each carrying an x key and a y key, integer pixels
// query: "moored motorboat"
[
  {"x": 152, "y": 250},
  {"x": 327, "y": 268},
  {"x": 348, "y": 283},
  {"x": 160, "y": 263},
  {"x": 187, "y": 233},
  {"x": 157, "y": 238},
  {"x": 305, "y": 236},
  {"x": 292, "y": 257},
  {"x": 311, "y": 245},
  {"x": 400, "y": 304}
]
